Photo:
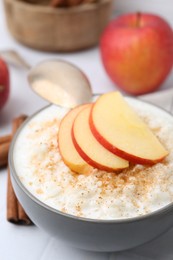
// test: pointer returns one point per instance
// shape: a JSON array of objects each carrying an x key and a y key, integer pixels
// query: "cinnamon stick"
[
  {"x": 4, "y": 148},
  {"x": 12, "y": 208},
  {"x": 22, "y": 216},
  {"x": 5, "y": 139},
  {"x": 15, "y": 212},
  {"x": 58, "y": 3},
  {"x": 65, "y": 3}
]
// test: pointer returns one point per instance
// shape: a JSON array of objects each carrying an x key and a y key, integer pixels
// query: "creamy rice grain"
[{"x": 98, "y": 195}]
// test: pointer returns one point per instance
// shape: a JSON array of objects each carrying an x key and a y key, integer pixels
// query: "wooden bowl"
[{"x": 57, "y": 29}]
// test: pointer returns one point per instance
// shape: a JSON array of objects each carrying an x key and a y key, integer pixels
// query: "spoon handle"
[{"x": 14, "y": 58}]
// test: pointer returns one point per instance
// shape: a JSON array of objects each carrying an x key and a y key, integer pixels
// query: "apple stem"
[{"x": 138, "y": 19}]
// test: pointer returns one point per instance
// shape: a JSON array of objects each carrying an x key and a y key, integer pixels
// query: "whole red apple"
[
  {"x": 4, "y": 83},
  {"x": 137, "y": 52}
]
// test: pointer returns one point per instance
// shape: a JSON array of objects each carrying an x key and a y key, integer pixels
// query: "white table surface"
[{"x": 30, "y": 243}]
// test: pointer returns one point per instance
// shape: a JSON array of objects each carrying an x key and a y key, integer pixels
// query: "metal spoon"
[
  {"x": 61, "y": 83},
  {"x": 14, "y": 58},
  {"x": 57, "y": 81}
]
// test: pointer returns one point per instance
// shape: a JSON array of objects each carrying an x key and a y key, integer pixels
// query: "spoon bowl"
[{"x": 60, "y": 83}]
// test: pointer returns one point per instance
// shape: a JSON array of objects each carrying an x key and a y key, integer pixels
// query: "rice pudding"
[{"x": 131, "y": 192}]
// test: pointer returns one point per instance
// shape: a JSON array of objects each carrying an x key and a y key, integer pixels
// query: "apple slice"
[
  {"x": 67, "y": 150},
  {"x": 90, "y": 149},
  {"x": 119, "y": 129}
]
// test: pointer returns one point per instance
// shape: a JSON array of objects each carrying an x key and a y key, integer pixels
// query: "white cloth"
[{"x": 159, "y": 249}]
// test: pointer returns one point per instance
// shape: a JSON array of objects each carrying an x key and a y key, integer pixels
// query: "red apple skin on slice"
[
  {"x": 90, "y": 149},
  {"x": 130, "y": 139},
  {"x": 67, "y": 150}
]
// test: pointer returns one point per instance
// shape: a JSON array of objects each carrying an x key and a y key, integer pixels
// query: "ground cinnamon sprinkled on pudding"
[{"x": 134, "y": 191}]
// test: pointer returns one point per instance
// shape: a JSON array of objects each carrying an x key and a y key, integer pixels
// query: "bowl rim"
[
  {"x": 52, "y": 10},
  {"x": 13, "y": 172}
]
